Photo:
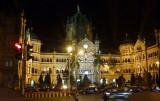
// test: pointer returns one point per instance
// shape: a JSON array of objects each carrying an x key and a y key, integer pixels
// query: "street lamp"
[
  {"x": 157, "y": 64},
  {"x": 157, "y": 73},
  {"x": 69, "y": 50}
]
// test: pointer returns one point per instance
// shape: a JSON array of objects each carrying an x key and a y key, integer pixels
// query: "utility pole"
[
  {"x": 24, "y": 52},
  {"x": 146, "y": 59},
  {"x": 157, "y": 32}
]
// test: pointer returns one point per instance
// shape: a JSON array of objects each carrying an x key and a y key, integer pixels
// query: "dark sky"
[{"x": 111, "y": 19}]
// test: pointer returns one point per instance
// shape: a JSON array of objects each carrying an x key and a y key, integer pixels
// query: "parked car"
[
  {"x": 89, "y": 90},
  {"x": 115, "y": 93},
  {"x": 135, "y": 89},
  {"x": 156, "y": 89}
]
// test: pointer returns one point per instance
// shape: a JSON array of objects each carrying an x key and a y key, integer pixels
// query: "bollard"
[
  {"x": 49, "y": 94},
  {"x": 39, "y": 95},
  {"x": 42, "y": 95},
  {"x": 64, "y": 94},
  {"x": 36, "y": 95},
  {"x": 32, "y": 95},
  {"x": 56, "y": 94},
  {"x": 25, "y": 95}
]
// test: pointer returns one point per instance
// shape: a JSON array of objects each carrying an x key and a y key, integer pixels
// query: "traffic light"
[
  {"x": 29, "y": 52},
  {"x": 18, "y": 47}
]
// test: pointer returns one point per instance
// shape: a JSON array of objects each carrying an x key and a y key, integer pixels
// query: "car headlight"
[
  {"x": 107, "y": 93},
  {"x": 126, "y": 93},
  {"x": 131, "y": 90}
]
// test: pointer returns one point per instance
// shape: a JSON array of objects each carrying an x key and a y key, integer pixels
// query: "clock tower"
[{"x": 79, "y": 36}]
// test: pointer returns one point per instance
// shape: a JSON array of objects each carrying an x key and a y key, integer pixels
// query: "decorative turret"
[
  {"x": 157, "y": 36},
  {"x": 97, "y": 42}
]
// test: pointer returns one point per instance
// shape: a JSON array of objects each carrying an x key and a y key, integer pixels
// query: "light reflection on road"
[{"x": 119, "y": 100}]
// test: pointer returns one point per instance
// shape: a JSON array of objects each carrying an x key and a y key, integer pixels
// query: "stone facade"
[{"x": 134, "y": 58}]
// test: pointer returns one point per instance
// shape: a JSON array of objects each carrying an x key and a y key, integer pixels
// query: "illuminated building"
[{"x": 135, "y": 57}]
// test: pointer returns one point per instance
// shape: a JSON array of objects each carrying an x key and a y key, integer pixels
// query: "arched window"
[
  {"x": 42, "y": 60},
  {"x": 57, "y": 60},
  {"x": 129, "y": 60},
  {"x": 47, "y": 59},
  {"x": 32, "y": 70},
  {"x": 50, "y": 60}
]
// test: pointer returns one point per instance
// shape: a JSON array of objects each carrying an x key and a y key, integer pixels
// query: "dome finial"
[{"x": 126, "y": 35}]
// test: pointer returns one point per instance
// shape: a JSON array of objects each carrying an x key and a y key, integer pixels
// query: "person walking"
[{"x": 75, "y": 96}]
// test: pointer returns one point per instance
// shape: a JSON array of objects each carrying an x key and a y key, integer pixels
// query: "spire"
[
  {"x": 139, "y": 36},
  {"x": 126, "y": 39},
  {"x": 96, "y": 38},
  {"x": 126, "y": 35},
  {"x": 28, "y": 36},
  {"x": 78, "y": 9},
  {"x": 22, "y": 27},
  {"x": 85, "y": 35}
]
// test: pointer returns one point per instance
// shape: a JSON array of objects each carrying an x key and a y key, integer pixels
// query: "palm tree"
[{"x": 98, "y": 62}]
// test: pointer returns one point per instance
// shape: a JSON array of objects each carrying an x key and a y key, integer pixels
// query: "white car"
[{"x": 117, "y": 93}]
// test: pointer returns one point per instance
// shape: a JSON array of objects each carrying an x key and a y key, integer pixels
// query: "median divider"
[{"x": 46, "y": 94}]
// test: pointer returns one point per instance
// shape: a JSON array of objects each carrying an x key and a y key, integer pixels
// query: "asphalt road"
[
  {"x": 146, "y": 96},
  {"x": 10, "y": 95},
  {"x": 90, "y": 97}
]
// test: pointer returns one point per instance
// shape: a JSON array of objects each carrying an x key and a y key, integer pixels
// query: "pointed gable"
[
  {"x": 91, "y": 46},
  {"x": 139, "y": 45}
]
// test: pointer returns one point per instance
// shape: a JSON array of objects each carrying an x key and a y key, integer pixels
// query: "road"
[
  {"x": 144, "y": 96},
  {"x": 10, "y": 95},
  {"x": 91, "y": 97}
]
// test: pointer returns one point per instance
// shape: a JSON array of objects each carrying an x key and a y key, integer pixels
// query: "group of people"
[
  {"x": 121, "y": 81},
  {"x": 75, "y": 96},
  {"x": 146, "y": 80},
  {"x": 137, "y": 80}
]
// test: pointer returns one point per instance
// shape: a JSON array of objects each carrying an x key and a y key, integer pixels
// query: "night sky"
[{"x": 111, "y": 19}]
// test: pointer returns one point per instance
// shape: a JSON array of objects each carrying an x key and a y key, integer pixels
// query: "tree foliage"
[
  {"x": 40, "y": 80},
  {"x": 86, "y": 82},
  {"x": 48, "y": 80},
  {"x": 59, "y": 81}
]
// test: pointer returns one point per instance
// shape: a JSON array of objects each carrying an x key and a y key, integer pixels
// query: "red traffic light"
[{"x": 18, "y": 46}]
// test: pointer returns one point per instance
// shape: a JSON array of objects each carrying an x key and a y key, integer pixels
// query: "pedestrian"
[{"x": 75, "y": 96}]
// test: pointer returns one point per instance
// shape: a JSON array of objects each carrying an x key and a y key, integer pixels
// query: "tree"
[
  {"x": 48, "y": 80},
  {"x": 121, "y": 81},
  {"x": 72, "y": 80},
  {"x": 149, "y": 79},
  {"x": 140, "y": 80},
  {"x": 157, "y": 80},
  {"x": 133, "y": 80},
  {"x": 103, "y": 82},
  {"x": 98, "y": 61},
  {"x": 86, "y": 81},
  {"x": 59, "y": 81},
  {"x": 40, "y": 80}
]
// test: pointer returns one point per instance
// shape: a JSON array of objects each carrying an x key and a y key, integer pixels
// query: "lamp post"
[
  {"x": 157, "y": 63},
  {"x": 24, "y": 52},
  {"x": 157, "y": 33},
  {"x": 69, "y": 50}
]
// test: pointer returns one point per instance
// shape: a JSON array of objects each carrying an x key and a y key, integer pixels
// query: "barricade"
[{"x": 46, "y": 94}]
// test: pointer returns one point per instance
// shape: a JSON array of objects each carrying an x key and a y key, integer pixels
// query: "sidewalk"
[{"x": 7, "y": 94}]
